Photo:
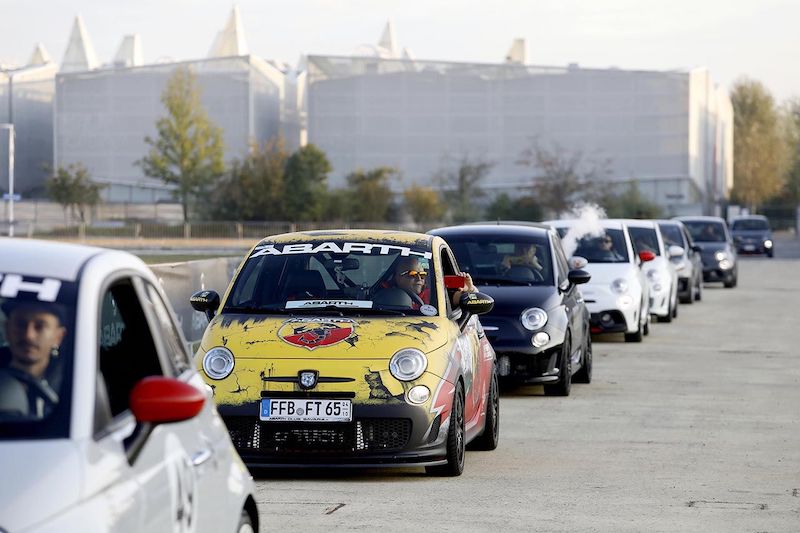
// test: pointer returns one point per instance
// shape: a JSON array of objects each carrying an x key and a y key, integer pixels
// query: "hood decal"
[{"x": 312, "y": 333}]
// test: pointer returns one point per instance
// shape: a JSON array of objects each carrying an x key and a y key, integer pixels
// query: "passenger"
[
  {"x": 605, "y": 250},
  {"x": 29, "y": 373}
]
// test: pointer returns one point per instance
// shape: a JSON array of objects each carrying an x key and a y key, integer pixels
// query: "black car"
[
  {"x": 716, "y": 248},
  {"x": 539, "y": 326},
  {"x": 689, "y": 265},
  {"x": 752, "y": 235}
]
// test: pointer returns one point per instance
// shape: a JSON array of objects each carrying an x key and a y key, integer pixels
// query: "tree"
[
  {"x": 253, "y": 188},
  {"x": 423, "y": 204},
  {"x": 629, "y": 204},
  {"x": 792, "y": 129},
  {"x": 760, "y": 153},
  {"x": 73, "y": 188},
  {"x": 462, "y": 186},
  {"x": 371, "y": 192},
  {"x": 188, "y": 151},
  {"x": 306, "y": 184},
  {"x": 522, "y": 208},
  {"x": 563, "y": 178}
]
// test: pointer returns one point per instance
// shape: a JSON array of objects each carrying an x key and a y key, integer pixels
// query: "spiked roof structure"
[
  {"x": 231, "y": 40},
  {"x": 39, "y": 56},
  {"x": 80, "y": 53},
  {"x": 129, "y": 53},
  {"x": 388, "y": 41}
]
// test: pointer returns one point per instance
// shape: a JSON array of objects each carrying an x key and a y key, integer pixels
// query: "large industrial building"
[{"x": 671, "y": 132}]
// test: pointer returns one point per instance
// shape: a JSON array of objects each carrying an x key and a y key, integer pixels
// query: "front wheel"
[
  {"x": 636, "y": 336},
  {"x": 245, "y": 523},
  {"x": 489, "y": 439},
  {"x": 564, "y": 386},
  {"x": 584, "y": 375},
  {"x": 456, "y": 447}
]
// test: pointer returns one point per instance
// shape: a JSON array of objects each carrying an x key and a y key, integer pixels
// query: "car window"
[
  {"x": 503, "y": 258},
  {"x": 351, "y": 276},
  {"x": 673, "y": 236},
  {"x": 644, "y": 240},
  {"x": 561, "y": 261},
  {"x": 36, "y": 378},
  {"x": 750, "y": 224},
  {"x": 174, "y": 346},
  {"x": 706, "y": 231},
  {"x": 610, "y": 247}
]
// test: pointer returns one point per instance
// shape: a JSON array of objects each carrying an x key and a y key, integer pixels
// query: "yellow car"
[{"x": 351, "y": 348}]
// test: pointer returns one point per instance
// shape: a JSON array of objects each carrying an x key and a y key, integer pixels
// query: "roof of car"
[
  {"x": 637, "y": 223},
  {"x": 45, "y": 259},
  {"x": 359, "y": 235},
  {"x": 604, "y": 222},
  {"x": 750, "y": 217},
  {"x": 699, "y": 218},
  {"x": 539, "y": 230}
]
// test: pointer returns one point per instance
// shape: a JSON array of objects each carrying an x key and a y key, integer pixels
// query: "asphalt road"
[{"x": 695, "y": 429}]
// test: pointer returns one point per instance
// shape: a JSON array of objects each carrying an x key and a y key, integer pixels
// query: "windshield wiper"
[{"x": 502, "y": 281}]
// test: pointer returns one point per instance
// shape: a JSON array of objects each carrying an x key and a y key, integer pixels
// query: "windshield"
[
  {"x": 750, "y": 224},
  {"x": 506, "y": 260},
  {"x": 672, "y": 234},
  {"x": 644, "y": 240},
  {"x": 36, "y": 325},
  {"x": 608, "y": 248},
  {"x": 706, "y": 231},
  {"x": 343, "y": 277}
]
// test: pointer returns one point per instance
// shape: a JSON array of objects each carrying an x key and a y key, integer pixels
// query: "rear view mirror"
[
  {"x": 206, "y": 302},
  {"x": 476, "y": 303},
  {"x": 159, "y": 400},
  {"x": 349, "y": 263}
]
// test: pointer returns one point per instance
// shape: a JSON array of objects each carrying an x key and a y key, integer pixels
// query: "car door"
[{"x": 571, "y": 297}]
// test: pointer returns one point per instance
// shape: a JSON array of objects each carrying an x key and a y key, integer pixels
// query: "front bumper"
[
  {"x": 391, "y": 434},
  {"x": 659, "y": 303},
  {"x": 539, "y": 368},
  {"x": 717, "y": 274}
]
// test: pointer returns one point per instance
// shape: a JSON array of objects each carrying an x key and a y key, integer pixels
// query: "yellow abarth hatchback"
[{"x": 351, "y": 348}]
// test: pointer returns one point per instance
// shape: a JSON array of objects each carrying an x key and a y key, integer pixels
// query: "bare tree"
[{"x": 462, "y": 186}]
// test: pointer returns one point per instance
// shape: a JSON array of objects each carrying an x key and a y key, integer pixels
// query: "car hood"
[
  {"x": 605, "y": 273},
  {"x": 512, "y": 300},
  {"x": 40, "y": 480},
  {"x": 324, "y": 336}
]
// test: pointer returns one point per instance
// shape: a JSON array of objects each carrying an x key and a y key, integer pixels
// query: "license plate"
[
  {"x": 749, "y": 247},
  {"x": 306, "y": 410}
]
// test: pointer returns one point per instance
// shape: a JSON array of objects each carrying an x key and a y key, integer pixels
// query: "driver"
[
  {"x": 34, "y": 331},
  {"x": 524, "y": 255},
  {"x": 409, "y": 274}
]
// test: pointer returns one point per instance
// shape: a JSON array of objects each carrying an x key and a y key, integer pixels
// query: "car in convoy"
[
  {"x": 351, "y": 348},
  {"x": 660, "y": 271},
  {"x": 688, "y": 265},
  {"x": 539, "y": 326},
  {"x": 105, "y": 425},
  {"x": 617, "y": 295},
  {"x": 752, "y": 235},
  {"x": 716, "y": 248}
]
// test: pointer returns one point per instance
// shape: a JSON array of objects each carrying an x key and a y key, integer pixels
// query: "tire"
[
  {"x": 584, "y": 375},
  {"x": 245, "y": 523},
  {"x": 489, "y": 439},
  {"x": 732, "y": 282},
  {"x": 771, "y": 254},
  {"x": 646, "y": 327},
  {"x": 675, "y": 308},
  {"x": 456, "y": 446},
  {"x": 637, "y": 336},
  {"x": 564, "y": 386},
  {"x": 698, "y": 296},
  {"x": 668, "y": 317}
]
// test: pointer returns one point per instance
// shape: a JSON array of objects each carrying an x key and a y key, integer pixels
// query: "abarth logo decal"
[{"x": 311, "y": 333}]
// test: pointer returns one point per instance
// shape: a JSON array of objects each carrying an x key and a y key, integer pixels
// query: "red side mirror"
[
  {"x": 455, "y": 281},
  {"x": 646, "y": 256},
  {"x": 158, "y": 400}
]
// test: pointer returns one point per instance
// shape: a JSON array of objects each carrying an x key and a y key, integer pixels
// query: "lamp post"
[{"x": 10, "y": 128}]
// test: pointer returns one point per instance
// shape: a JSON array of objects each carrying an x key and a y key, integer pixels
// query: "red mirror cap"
[
  {"x": 647, "y": 256},
  {"x": 158, "y": 400},
  {"x": 455, "y": 281}
]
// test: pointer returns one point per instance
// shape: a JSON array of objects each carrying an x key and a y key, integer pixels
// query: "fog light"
[
  {"x": 504, "y": 365},
  {"x": 768, "y": 244},
  {"x": 540, "y": 339},
  {"x": 605, "y": 318},
  {"x": 419, "y": 394},
  {"x": 725, "y": 264}
]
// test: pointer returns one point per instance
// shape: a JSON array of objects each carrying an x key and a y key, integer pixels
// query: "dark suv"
[{"x": 751, "y": 235}]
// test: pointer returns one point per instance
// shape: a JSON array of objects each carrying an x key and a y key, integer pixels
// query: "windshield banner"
[
  {"x": 350, "y": 304},
  {"x": 337, "y": 248}
]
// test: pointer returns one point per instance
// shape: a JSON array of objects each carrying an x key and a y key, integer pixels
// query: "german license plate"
[
  {"x": 306, "y": 410},
  {"x": 749, "y": 247}
]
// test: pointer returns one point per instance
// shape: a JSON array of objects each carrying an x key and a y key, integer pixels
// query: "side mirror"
[
  {"x": 578, "y": 277},
  {"x": 675, "y": 251},
  {"x": 206, "y": 302},
  {"x": 159, "y": 400},
  {"x": 646, "y": 255},
  {"x": 476, "y": 303},
  {"x": 697, "y": 248},
  {"x": 577, "y": 262}
]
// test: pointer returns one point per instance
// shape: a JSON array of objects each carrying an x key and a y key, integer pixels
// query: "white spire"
[
  {"x": 80, "y": 52},
  {"x": 39, "y": 56},
  {"x": 408, "y": 54},
  {"x": 129, "y": 53},
  {"x": 516, "y": 54},
  {"x": 388, "y": 40},
  {"x": 230, "y": 41}
]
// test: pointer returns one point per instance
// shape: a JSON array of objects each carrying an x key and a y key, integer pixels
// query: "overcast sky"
[{"x": 757, "y": 38}]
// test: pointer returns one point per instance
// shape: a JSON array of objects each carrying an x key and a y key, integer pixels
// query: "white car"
[
  {"x": 105, "y": 425},
  {"x": 660, "y": 272},
  {"x": 618, "y": 295}
]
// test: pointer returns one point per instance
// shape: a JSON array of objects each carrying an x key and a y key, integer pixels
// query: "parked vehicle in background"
[
  {"x": 539, "y": 326},
  {"x": 752, "y": 235},
  {"x": 352, "y": 348},
  {"x": 105, "y": 426},
  {"x": 617, "y": 295},
  {"x": 689, "y": 265},
  {"x": 660, "y": 272},
  {"x": 716, "y": 248}
]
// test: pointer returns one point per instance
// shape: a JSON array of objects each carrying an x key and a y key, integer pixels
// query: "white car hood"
[
  {"x": 605, "y": 273},
  {"x": 40, "y": 479}
]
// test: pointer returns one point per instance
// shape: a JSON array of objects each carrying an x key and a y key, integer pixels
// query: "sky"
[{"x": 732, "y": 38}]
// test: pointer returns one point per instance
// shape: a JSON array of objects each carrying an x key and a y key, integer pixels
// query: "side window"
[
  {"x": 173, "y": 346},
  {"x": 561, "y": 261},
  {"x": 126, "y": 352},
  {"x": 448, "y": 269}
]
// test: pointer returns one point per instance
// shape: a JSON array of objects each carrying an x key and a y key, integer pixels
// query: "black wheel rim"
[{"x": 459, "y": 420}]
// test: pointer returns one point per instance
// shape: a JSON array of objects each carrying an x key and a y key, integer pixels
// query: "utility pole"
[{"x": 10, "y": 128}]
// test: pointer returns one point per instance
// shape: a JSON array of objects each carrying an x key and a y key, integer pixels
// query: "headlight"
[
  {"x": 620, "y": 286},
  {"x": 653, "y": 275},
  {"x": 218, "y": 363},
  {"x": 767, "y": 243},
  {"x": 408, "y": 364},
  {"x": 719, "y": 256},
  {"x": 533, "y": 318}
]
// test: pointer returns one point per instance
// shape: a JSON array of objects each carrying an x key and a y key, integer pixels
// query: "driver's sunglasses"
[
  {"x": 414, "y": 274},
  {"x": 607, "y": 240}
]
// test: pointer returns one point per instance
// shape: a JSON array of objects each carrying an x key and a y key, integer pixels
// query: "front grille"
[{"x": 360, "y": 436}]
